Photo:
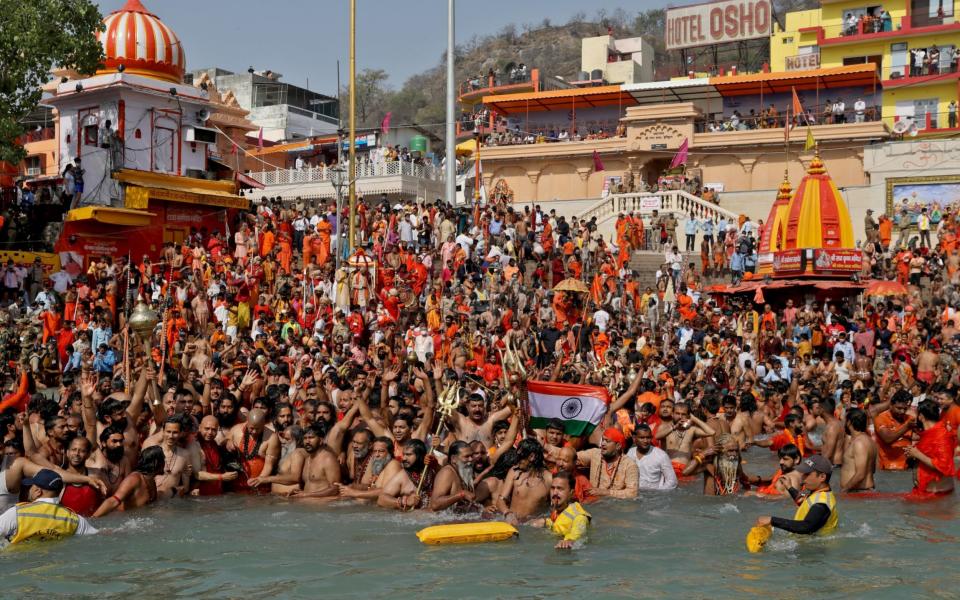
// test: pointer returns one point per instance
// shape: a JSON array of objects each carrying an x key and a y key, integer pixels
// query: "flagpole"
[
  {"x": 352, "y": 176},
  {"x": 451, "y": 152}
]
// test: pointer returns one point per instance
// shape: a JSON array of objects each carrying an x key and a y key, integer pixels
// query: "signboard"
[
  {"x": 649, "y": 203},
  {"x": 802, "y": 62},
  {"x": 658, "y": 146},
  {"x": 788, "y": 261},
  {"x": 717, "y": 23},
  {"x": 837, "y": 261}
]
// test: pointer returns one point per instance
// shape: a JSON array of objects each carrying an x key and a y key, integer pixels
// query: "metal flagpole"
[
  {"x": 353, "y": 123},
  {"x": 451, "y": 170}
]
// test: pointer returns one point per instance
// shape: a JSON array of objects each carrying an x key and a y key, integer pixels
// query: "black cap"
[{"x": 815, "y": 463}]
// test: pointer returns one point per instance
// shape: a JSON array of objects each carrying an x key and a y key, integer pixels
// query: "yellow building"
[{"x": 912, "y": 42}]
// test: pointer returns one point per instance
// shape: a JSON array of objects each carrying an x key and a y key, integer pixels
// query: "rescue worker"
[
  {"x": 817, "y": 511},
  {"x": 42, "y": 518}
]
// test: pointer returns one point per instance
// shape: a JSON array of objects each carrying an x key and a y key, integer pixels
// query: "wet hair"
[
  {"x": 108, "y": 431},
  {"x": 748, "y": 403},
  {"x": 828, "y": 403},
  {"x": 419, "y": 449},
  {"x": 501, "y": 425},
  {"x": 857, "y": 418},
  {"x": 318, "y": 428},
  {"x": 385, "y": 440},
  {"x": 789, "y": 451},
  {"x": 51, "y": 422},
  {"x": 642, "y": 427},
  {"x": 712, "y": 404},
  {"x": 791, "y": 418},
  {"x": 555, "y": 424},
  {"x": 569, "y": 476},
  {"x": 151, "y": 460},
  {"x": 504, "y": 463},
  {"x": 531, "y": 448},
  {"x": 107, "y": 408},
  {"x": 455, "y": 449},
  {"x": 930, "y": 410}
]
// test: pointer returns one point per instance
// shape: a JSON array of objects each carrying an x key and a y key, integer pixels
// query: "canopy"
[
  {"x": 467, "y": 148},
  {"x": 606, "y": 95},
  {"x": 846, "y": 76}
]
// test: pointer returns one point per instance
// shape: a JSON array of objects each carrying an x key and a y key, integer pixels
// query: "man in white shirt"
[
  {"x": 839, "y": 112},
  {"x": 61, "y": 281},
  {"x": 653, "y": 465},
  {"x": 860, "y": 109},
  {"x": 601, "y": 318}
]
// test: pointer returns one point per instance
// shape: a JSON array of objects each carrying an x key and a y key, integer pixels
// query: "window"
[
  {"x": 898, "y": 60},
  {"x": 788, "y": 40},
  {"x": 90, "y": 135},
  {"x": 926, "y": 109}
]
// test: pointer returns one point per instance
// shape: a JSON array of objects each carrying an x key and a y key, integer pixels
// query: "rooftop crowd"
[{"x": 281, "y": 368}]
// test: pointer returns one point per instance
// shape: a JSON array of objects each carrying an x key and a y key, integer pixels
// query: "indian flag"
[{"x": 580, "y": 407}]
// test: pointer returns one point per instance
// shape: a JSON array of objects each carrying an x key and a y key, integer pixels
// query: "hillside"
[{"x": 553, "y": 48}]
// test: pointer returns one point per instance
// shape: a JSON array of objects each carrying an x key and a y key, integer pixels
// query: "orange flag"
[{"x": 797, "y": 107}]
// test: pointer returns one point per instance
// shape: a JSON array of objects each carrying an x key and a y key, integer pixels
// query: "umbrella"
[
  {"x": 885, "y": 288},
  {"x": 572, "y": 285}
]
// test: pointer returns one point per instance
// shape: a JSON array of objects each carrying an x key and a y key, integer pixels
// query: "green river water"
[{"x": 678, "y": 544}]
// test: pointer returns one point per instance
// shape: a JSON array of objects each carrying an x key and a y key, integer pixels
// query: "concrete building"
[
  {"x": 285, "y": 111},
  {"x": 912, "y": 43},
  {"x": 605, "y": 60}
]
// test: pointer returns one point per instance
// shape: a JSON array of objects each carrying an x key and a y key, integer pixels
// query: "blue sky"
[{"x": 304, "y": 38}]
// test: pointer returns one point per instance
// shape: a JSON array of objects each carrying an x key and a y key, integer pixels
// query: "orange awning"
[
  {"x": 306, "y": 144},
  {"x": 607, "y": 95},
  {"x": 774, "y": 83}
]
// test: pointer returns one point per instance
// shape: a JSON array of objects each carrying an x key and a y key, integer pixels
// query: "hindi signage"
[
  {"x": 717, "y": 23},
  {"x": 837, "y": 261},
  {"x": 788, "y": 261}
]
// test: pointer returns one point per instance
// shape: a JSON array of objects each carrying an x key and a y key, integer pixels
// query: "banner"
[
  {"x": 842, "y": 261},
  {"x": 580, "y": 407}
]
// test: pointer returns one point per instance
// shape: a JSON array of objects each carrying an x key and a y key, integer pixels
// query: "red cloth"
[{"x": 937, "y": 445}]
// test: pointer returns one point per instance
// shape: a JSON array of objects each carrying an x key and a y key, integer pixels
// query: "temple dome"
[
  {"x": 135, "y": 38},
  {"x": 773, "y": 227},
  {"x": 817, "y": 216}
]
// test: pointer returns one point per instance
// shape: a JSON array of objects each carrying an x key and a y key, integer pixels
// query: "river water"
[{"x": 679, "y": 544}]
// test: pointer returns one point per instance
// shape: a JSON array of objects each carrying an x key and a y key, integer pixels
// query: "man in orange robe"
[{"x": 324, "y": 230}]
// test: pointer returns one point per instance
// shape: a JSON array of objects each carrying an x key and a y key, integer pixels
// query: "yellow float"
[
  {"x": 757, "y": 537},
  {"x": 467, "y": 533}
]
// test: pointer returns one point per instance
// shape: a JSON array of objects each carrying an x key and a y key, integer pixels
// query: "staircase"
[{"x": 678, "y": 202}]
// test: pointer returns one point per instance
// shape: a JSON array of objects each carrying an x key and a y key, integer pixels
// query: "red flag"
[
  {"x": 385, "y": 124},
  {"x": 597, "y": 164},
  {"x": 260, "y": 139},
  {"x": 681, "y": 156}
]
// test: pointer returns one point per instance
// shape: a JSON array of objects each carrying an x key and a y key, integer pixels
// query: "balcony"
[
  {"x": 872, "y": 29},
  {"x": 396, "y": 177},
  {"x": 942, "y": 70},
  {"x": 472, "y": 90}
]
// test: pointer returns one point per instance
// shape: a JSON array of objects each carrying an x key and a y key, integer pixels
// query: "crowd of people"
[
  {"x": 280, "y": 366},
  {"x": 830, "y": 112}
]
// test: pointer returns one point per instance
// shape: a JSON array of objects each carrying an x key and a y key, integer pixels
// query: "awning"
[
  {"x": 250, "y": 182},
  {"x": 143, "y": 186},
  {"x": 44, "y": 179},
  {"x": 110, "y": 215},
  {"x": 778, "y": 284},
  {"x": 863, "y": 75},
  {"x": 304, "y": 145},
  {"x": 607, "y": 95},
  {"x": 675, "y": 90},
  {"x": 467, "y": 147}
]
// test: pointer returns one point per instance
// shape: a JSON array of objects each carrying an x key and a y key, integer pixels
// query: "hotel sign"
[
  {"x": 717, "y": 23},
  {"x": 802, "y": 62}
]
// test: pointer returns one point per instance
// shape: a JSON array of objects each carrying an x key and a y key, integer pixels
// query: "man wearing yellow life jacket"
[
  {"x": 42, "y": 518},
  {"x": 567, "y": 517},
  {"x": 817, "y": 512}
]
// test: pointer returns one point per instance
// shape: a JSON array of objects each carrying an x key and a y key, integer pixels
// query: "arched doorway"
[{"x": 653, "y": 169}]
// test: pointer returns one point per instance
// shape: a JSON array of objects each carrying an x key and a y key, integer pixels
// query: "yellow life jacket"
[
  {"x": 572, "y": 522},
  {"x": 45, "y": 521},
  {"x": 825, "y": 497}
]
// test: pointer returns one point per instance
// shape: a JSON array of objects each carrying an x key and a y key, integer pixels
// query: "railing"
[
  {"x": 818, "y": 115},
  {"x": 363, "y": 170},
  {"x": 47, "y": 133},
  {"x": 679, "y": 202}
]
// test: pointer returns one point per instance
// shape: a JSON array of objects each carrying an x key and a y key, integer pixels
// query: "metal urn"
[{"x": 142, "y": 321}]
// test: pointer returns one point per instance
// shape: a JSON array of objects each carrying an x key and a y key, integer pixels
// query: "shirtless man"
[
  {"x": 175, "y": 477},
  {"x": 859, "y": 455},
  {"x": 453, "y": 486},
  {"x": 526, "y": 488},
  {"x": 744, "y": 427},
  {"x": 400, "y": 492},
  {"x": 321, "y": 470},
  {"x": 138, "y": 488},
  {"x": 832, "y": 433},
  {"x": 111, "y": 458},
  {"x": 928, "y": 366},
  {"x": 53, "y": 453},
  {"x": 381, "y": 468},
  {"x": 210, "y": 472},
  {"x": 679, "y": 433},
  {"x": 477, "y": 425},
  {"x": 786, "y": 476},
  {"x": 112, "y": 412},
  {"x": 258, "y": 447}
]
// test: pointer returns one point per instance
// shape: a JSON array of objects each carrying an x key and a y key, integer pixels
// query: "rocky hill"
[{"x": 553, "y": 48}]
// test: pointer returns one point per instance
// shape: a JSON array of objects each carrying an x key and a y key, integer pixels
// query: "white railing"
[
  {"x": 363, "y": 170},
  {"x": 671, "y": 201}
]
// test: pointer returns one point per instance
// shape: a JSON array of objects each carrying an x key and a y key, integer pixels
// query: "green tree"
[
  {"x": 372, "y": 95},
  {"x": 36, "y": 36}
]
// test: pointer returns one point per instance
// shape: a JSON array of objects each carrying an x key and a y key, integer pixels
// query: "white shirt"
[
  {"x": 61, "y": 280},
  {"x": 654, "y": 469},
  {"x": 860, "y": 106},
  {"x": 601, "y": 318},
  {"x": 8, "y": 522}
]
